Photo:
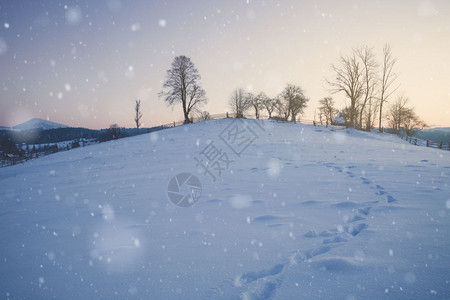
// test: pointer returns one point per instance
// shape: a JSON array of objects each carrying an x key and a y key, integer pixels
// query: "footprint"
[
  {"x": 390, "y": 199},
  {"x": 345, "y": 204},
  {"x": 326, "y": 233},
  {"x": 365, "y": 180},
  {"x": 372, "y": 202},
  {"x": 310, "y": 234},
  {"x": 365, "y": 210},
  {"x": 265, "y": 290},
  {"x": 310, "y": 202},
  {"x": 356, "y": 229},
  {"x": 252, "y": 276},
  {"x": 336, "y": 239},
  {"x": 317, "y": 251},
  {"x": 355, "y": 218}
]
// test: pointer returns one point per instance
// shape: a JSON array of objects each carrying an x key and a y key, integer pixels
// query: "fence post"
[
  {"x": 428, "y": 143},
  {"x": 440, "y": 145}
]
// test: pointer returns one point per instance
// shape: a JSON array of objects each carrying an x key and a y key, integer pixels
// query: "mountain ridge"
[{"x": 37, "y": 123}]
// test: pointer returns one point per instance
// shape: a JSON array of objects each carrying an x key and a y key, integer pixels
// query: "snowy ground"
[{"x": 302, "y": 213}]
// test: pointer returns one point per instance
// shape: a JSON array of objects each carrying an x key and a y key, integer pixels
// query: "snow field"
[{"x": 304, "y": 212}]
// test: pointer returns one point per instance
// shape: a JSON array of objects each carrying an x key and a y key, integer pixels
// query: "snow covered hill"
[
  {"x": 37, "y": 123},
  {"x": 287, "y": 211}
]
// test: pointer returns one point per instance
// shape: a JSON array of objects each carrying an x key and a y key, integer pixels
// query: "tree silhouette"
[
  {"x": 182, "y": 85},
  {"x": 239, "y": 102},
  {"x": 138, "y": 114}
]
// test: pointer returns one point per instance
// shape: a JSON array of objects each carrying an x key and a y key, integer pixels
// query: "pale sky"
[{"x": 83, "y": 63}]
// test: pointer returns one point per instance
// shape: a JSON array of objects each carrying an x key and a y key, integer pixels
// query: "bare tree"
[
  {"x": 182, "y": 85},
  {"x": 400, "y": 116},
  {"x": 295, "y": 101},
  {"x": 371, "y": 112},
  {"x": 282, "y": 108},
  {"x": 115, "y": 132},
  {"x": 327, "y": 110},
  {"x": 321, "y": 116},
  {"x": 396, "y": 112},
  {"x": 269, "y": 105},
  {"x": 349, "y": 80},
  {"x": 138, "y": 114},
  {"x": 257, "y": 103},
  {"x": 239, "y": 102},
  {"x": 388, "y": 78},
  {"x": 412, "y": 122},
  {"x": 204, "y": 115},
  {"x": 369, "y": 66}
]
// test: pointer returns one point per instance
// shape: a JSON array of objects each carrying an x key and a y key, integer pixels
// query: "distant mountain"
[
  {"x": 435, "y": 134},
  {"x": 37, "y": 123}
]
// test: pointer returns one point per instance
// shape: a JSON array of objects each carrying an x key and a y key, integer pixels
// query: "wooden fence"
[
  {"x": 232, "y": 115},
  {"x": 427, "y": 143},
  {"x": 440, "y": 145}
]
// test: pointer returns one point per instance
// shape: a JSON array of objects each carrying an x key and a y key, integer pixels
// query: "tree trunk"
[{"x": 381, "y": 113}]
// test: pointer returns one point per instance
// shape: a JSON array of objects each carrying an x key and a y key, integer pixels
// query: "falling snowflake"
[{"x": 162, "y": 23}]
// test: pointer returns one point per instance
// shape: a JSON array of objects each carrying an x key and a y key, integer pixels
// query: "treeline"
[
  {"x": 367, "y": 84},
  {"x": 18, "y": 146},
  {"x": 39, "y": 136},
  {"x": 182, "y": 86},
  {"x": 290, "y": 103}
]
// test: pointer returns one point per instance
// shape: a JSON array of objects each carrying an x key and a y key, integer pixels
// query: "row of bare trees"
[
  {"x": 368, "y": 85},
  {"x": 290, "y": 103},
  {"x": 182, "y": 86}
]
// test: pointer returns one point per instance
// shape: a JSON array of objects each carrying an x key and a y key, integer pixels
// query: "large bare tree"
[
  {"x": 182, "y": 85},
  {"x": 138, "y": 114},
  {"x": 369, "y": 78},
  {"x": 239, "y": 102},
  {"x": 348, "y": 79},
  {"x": 387, "y": 81}
]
